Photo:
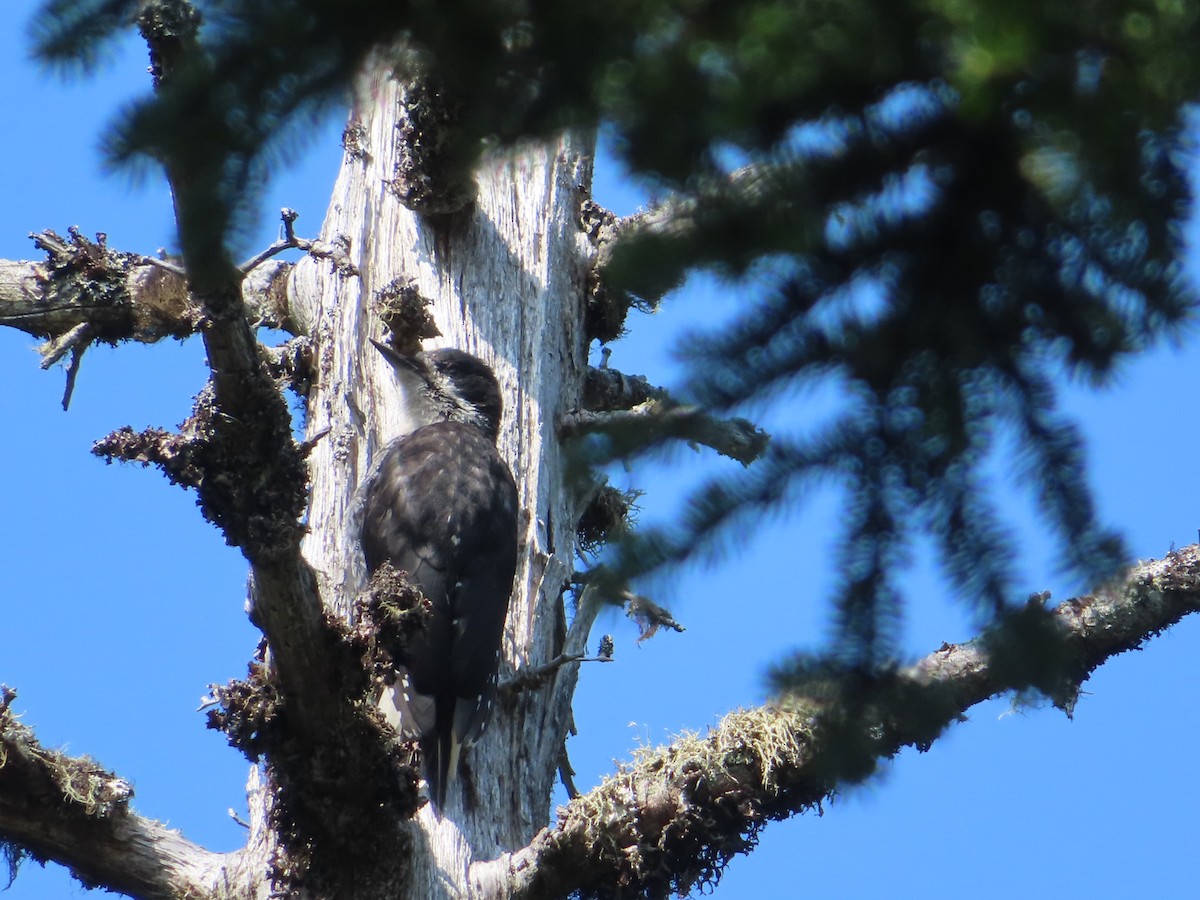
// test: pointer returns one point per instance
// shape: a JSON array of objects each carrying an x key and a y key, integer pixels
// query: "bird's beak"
[{"x": 398, "y": 360}]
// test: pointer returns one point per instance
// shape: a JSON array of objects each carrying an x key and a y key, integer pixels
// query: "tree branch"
[
  {"x": 117, "y": 296},
  {"x": 658, "y": 420},
  {"x": 338, "y": 252},
  {"x": 252, "y": 476},
  {"x": 674, "y": 818},
  {"x": 71, "y": 811},
  {"x": 606, "y": 389},
  {"x": 618, "y": 404},
  {"x": 530, "y": 678}
]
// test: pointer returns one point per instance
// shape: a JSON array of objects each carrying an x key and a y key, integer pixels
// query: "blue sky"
[{"x": 120, "y": 604}]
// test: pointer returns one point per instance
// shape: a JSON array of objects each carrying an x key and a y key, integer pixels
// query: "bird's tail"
[{"x": 441, "y": 751}]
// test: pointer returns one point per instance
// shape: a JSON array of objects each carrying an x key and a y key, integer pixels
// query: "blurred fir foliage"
[{"x": 945, "y": 204}]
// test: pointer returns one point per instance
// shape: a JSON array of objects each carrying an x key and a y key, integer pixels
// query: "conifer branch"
[
  {"x": 673, "y": 819},
  {"x": 72, "y": 811}
]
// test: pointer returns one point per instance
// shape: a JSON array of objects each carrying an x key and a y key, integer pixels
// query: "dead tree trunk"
[{"x": 506, "y": 276}]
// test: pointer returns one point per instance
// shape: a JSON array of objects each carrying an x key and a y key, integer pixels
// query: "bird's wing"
[{"x": 444, "y": 509}]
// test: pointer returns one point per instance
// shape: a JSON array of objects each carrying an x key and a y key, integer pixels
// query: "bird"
[{"x": 441, "y": 505}]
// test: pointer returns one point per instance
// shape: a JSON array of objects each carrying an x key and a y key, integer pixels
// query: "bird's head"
[{"x": 447, "y": 386}]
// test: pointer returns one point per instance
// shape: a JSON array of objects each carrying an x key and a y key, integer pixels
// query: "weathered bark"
[
  {"x": 142, "y": 301},
  {"x": 506, "y": 277}
]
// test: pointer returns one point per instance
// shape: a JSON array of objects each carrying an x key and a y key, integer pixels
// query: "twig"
[
  {"x": 75, "y": 341},
  {"x": 211, "y": 699},
  {"x": 337, "y": 251},
  {"x": 566, "y": 774},
  {"x": 56, "y": 348},
  {"x": 533, "y": 677},
  {"x": 581, "y": 625},
  {"x": 289, "y": 241},
  {"x": 72, "y": 371},
  {"x": 164, "y": 264}
]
